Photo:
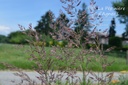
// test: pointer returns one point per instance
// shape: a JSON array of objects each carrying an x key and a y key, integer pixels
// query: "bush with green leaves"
[
  {"x": 125, "y": 47},
  {"x": 17, "y": 38},
  {"x": 47, "y": 39},
  {"x": 3, "y": 39},
  {"x": 115, "y": 41}
]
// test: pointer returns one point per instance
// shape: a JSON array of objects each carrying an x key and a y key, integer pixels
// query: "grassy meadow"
[{"x": 19, "y": 56}]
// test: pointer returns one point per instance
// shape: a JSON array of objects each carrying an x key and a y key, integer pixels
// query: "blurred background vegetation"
[{"x": 43, "y": 28}]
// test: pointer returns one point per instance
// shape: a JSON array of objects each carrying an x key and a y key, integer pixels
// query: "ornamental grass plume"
[{"x": 47, "y": 61}]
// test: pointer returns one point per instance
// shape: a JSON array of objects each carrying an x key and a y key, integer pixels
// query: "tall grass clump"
[{"x": 47, "y": 61}]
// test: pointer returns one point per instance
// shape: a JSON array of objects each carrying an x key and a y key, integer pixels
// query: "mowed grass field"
[{"x": 19, "y": 56}]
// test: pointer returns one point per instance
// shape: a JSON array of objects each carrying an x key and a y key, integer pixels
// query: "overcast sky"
[{"x": 14, "y": 12}]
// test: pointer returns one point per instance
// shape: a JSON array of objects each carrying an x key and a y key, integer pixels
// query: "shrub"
[
  {"x": 47, "y": 39},
  {"x": 115, "y": 41},
  {"x": 39, "y": 43},
  {"x": 62, "y": 43},
  {"x": 3, "y": 39},
  {"x": 17, "y": 38},
  {"x": 124, "y": 48}
]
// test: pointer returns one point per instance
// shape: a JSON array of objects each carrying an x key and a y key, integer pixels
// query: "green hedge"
[
  {"x": 115, "y": 41},
  {"x": 17, "y": 38}
]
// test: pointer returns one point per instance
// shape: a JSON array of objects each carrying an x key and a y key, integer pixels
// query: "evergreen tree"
[
  {"x": 62, "y": 20},
  {"x": 125, "y": 34},
  {"x": 122, "y": 13},
  {"x": 112, "y": 31},
  {"x": 113, "y": 40},
  {"x": 82, "y": 23},
  {"x": 44, "y": 24}
]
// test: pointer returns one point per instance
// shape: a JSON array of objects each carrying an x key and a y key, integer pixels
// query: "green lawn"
[
  {"x": 14, "y": 55},
  {"x": 18, "y": 56}
]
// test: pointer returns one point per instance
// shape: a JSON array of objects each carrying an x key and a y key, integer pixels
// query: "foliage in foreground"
[
  {"x": 45, "y": 61},
  {"x": 19, "y": 55}
]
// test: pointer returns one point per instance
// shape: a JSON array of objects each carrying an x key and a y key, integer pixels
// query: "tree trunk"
[{"x": 127, "y": 57}]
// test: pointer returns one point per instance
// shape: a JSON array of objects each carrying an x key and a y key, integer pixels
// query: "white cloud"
[{"x": 4, "y": 30}]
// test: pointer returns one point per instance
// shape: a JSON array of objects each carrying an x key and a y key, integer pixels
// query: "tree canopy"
[
  {"x": 17, "y": 37},
  {"x": 3, "y": 39},
  {"x": 62, "y": 20},
  {"x": 44, "y": 24},
  {"x": 122, "y": 13},
  {"x": 82, "y": 22},
  {"x": 112, "y": 31}
]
